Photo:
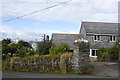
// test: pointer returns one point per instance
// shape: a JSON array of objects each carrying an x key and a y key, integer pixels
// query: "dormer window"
[
  {"x": 112, "y": 38},
  {"x": 97, "y": 37}
]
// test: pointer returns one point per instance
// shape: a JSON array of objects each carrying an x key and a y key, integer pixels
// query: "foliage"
[
  {"x": 108, "y": 54},
  {"x": 5, "y": 42},
  {"x": 24, "y": 51},
  {"x": 43, "y": 47},
  {"x": 59, "y": 48},
  {"x": 5, "y": 46},
  {"x": 113, "y": 52},
  {"x": 22, "y": 43},
  {"x": 13, "y": 47},
  {"x": 102, "y": 54},
  {"x": 18, "y": 49}
]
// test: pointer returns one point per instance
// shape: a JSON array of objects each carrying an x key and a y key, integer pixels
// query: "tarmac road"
[{"x": 8, "y": 74}]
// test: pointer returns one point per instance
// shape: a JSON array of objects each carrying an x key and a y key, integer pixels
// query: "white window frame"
[
  {"x": 112, "y": 38},
  {"x": 95, "y": 53},
  {"x": 97, "y": 38}
]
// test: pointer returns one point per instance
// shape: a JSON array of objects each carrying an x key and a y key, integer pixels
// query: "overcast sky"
[{"x": 65, "y": 18}]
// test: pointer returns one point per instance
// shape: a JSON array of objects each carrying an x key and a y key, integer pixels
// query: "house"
[
  {"x": 33, "y": 45},
  {"x": 99, "y": 35},
  {"x": 66, "y": 38}
]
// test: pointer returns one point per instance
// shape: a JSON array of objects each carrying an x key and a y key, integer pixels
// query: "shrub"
[
  {"x": 108, "y": 54},
  {"x": 113, "y": 52},
  {"x": 52, "y": 50},
  {"x": 25, "y": 51},
  {"x": 43, "y": 48},
  {"x": 59, "y": 48}
]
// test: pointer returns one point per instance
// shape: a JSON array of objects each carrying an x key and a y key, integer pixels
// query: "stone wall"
[{"x": 37, "y": 64}]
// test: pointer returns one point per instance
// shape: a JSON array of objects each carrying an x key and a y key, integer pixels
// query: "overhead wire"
[{"x": 36, "y": 11}]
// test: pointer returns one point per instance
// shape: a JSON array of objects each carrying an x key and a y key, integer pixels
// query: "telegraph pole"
[{"x": 44, "y": 38}]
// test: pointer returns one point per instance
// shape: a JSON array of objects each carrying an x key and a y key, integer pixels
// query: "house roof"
[
  {"x": 66, "y": 38},
  {"x": 100, "y": 27}
]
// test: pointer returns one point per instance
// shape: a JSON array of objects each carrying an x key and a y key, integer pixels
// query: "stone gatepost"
[{"x": 81, "y": 54}]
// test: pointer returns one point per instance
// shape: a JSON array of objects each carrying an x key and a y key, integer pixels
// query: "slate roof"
[
  {"x": 66, "y": 38},
  {"x": 100, "y": 27}
]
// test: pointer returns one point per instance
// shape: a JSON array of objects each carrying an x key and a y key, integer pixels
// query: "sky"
[{"x": 65, "y": 18}]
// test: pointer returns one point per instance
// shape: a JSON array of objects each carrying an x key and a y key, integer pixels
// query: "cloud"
[
  {"x": 67, "y": 32},
  {"x": 73, "y": 11},
  {"x": 12, "y": 32},
  {"x": 26, "y": 34}
]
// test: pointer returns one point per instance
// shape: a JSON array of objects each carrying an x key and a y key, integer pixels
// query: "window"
[
  {"x": 112, "y": 38},
  {"x": 93, "y": 52},
  {"x": 97, "y": 37}
]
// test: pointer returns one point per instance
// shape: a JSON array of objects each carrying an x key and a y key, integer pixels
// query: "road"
[{"x": 8, "y": 74}]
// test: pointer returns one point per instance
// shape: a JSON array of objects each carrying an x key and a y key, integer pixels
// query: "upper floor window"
[
  {"x": 112, "y": 38},
  {"x": 97, "y": 37}
]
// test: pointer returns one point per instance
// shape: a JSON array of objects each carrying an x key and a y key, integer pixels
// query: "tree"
[
  {"x": 18, "y": 49},
  {"x": 22, "y": 43},
  {"x": 23, "y": 51},
  {"x": 23, "y": 47},
  {"x": 6, "y": 42},
  {"x": 5, "y": 46}
]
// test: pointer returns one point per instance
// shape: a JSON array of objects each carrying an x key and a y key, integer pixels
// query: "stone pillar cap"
[{"x": 81, "y": 40}]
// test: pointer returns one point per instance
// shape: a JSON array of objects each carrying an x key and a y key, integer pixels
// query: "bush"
[
  {"x": 59, "y": 48},
  {"x": 43, "y": 48},
  {"x": 108, "y": 54},
  {"x": 113, "y": 52},
  {"x": 25, "y": 51}
]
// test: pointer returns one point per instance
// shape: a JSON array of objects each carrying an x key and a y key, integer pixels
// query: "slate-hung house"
[{"x": 99, "y": 35}]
